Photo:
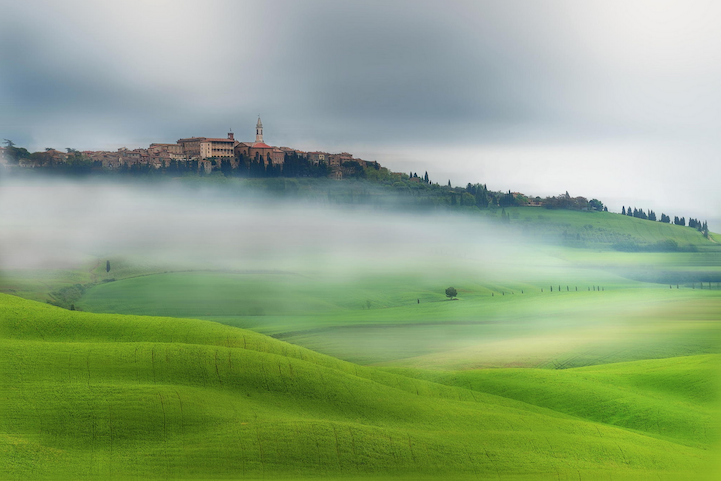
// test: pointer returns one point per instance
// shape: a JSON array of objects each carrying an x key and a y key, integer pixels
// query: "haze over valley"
[{"x": 468, "y": 241}]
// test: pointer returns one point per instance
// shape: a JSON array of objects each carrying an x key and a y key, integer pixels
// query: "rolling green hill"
[
  {"x": 604, "y": 229},
  {"x": 676, "y": 398},
  {"x": 100, "y": 396}
]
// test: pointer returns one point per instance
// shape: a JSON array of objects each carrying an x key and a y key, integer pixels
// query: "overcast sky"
[{"x": 618, "y": 100}]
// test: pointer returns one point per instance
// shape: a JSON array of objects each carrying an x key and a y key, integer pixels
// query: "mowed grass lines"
[{"x": 88, "y": 395}]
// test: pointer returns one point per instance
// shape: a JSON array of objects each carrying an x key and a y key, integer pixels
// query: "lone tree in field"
[
  {"x": 451, "y": 292},
  {"x": 107, "y": 266}
]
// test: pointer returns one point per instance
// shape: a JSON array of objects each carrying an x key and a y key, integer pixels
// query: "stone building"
[
  {"x": 290, "y": 151},
  {"x": 333, "y": 160},
  {"x": 205, "y": 148},
  {"x": 316, "y": 157},
  {"x": 174, "y": 151}
]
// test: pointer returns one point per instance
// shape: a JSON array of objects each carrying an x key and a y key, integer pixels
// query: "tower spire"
[{"x": 259, "y": 130}]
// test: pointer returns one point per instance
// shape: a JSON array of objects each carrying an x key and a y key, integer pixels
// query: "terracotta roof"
[
  {"x": 261, "y": 145},
  {"x": 219, "y": 140}
]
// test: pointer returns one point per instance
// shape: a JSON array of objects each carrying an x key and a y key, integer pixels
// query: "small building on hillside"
[
  {"x": 317, "y": 157},
  {"x": 173, "y": 151}
]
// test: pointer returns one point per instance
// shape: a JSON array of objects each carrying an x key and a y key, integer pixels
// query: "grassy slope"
[
  {"x": 88, "y": 394},
  {"x": 602, "y": 228},
  {"x": 54, "y": 284},
  {"x": 675, "y": 398}
]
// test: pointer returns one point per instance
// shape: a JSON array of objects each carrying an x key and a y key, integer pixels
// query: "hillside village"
[
  {"x": 202, "y": 154},
  {"x": 231, "y": 157}
]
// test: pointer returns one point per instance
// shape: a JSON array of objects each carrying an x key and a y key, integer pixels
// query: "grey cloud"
[{"x": 384, "y": 70}]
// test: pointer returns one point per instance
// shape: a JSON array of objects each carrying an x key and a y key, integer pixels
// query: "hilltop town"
[
  {"x": 199, "y": 154},
  {"x": 229, "y": 157},
  {"x": 233, "y": 158}
]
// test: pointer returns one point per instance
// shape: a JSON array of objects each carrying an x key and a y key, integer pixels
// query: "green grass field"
[
  {"x": 516, "y": 326},
  {"x": 363, "y": 369},
  {"x": 673, "y": 398},
  {"x": 146, "y": 397}
]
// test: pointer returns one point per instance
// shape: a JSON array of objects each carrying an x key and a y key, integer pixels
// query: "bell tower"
[{"x": 259, "y": 131}]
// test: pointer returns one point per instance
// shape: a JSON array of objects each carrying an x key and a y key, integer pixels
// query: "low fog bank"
[{"x": 60, "y": 223}]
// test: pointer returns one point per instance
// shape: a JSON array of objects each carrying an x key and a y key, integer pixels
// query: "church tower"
[{"x": 259, "y": 131}]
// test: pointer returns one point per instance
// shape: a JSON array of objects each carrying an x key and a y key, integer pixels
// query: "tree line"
[{"x": 702, "y": 227}]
